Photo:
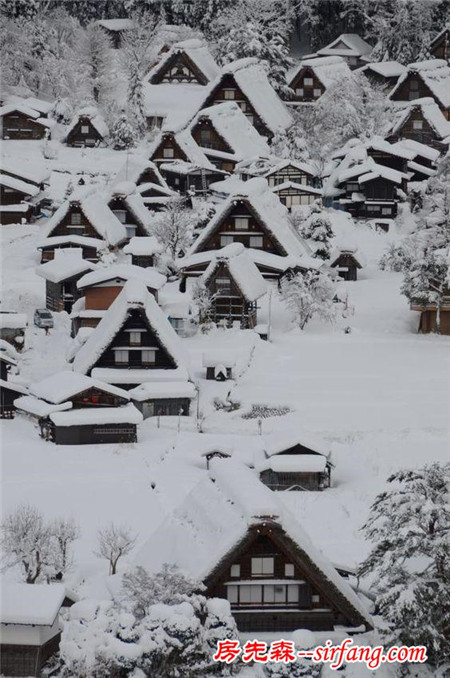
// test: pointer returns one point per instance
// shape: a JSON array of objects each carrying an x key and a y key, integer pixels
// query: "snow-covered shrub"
[
  {"x": 426, "y": 281},
  {"x": 397, "y": 258},
  {"x": 409, "y": 525},
  {"x": 307, "y": 295},
  {"x": 51, "y": 150},
  {"x": 172, "y": 639},
  {"x": 302, "y": 668},
  {"x": 122, "y": 134},
  {"x": 318, "y": 232}
]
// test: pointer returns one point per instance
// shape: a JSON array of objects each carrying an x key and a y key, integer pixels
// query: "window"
[
  {"x": 101, "y": 430},
  {"x": 372, "y": 208},
  {"x": 315, "y": 598},
  {"x": 414, "y": 84},
  {"x": 8, "y": 190},
  {"x": 243, "y": 106},
  {"x": 135, "y": 338},
  {"x": 205, "y": 136},
  {"x": 308, "y": 82},
  {"x": 235, "y": 571},
  {"x": 250, "y": 118},
  {"x": 352, "y": 187},
  {"x": 417, "y": 124},
  {"x": 131, "y": 230},
  {"x": 249, "y": 593},
  {"x": 75, "y": 219},
  {"x": 289, "y": 570},
  {"x": 300, "y": 91},
  {"x": 386, "y": 211},
  {"x": 168, "y": 153},
  {"x": 228, "y": 93},
  {"x": 232, "y": 593},
  {"x": 241, "y": 223},
  {"x": 148, "y": 357},
  {"x": 275, "y": 593},
  {"x": 121, "y": 215},
  {"x": 121, "y": 357},
  {"x": 292, "y": 593},
  {"x": 223, "y": 286},
  {"x": 262, "y": 566},
  {"x": 226, "y": 240},
  {"x": 256, "y": 241},
  {"x": 84, "y": 129},
  {"x": 317, "y": 92}
]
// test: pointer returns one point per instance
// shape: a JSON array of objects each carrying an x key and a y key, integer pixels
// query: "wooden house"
[
  {"x": 115, "y": 29},
  {"x": 9, "y": 390},
  {"x": 44, "y": 108},
  {"x": 149, "y": 182},
  {"x": 22, "y": 192},
  {"x": 73, "y": 409},
  {"x": 88, "y": 128},
  {"x": 440, "y": 45},
  {"x": 126, "y": 203},
  {"x": 219, "y": 364},
  {"x": 245, "y": 82},
  {"x": 253, "y": 216},
  {"x": 61, "y": 275},
  {"x": 101, "y": 287},
  {"x": 291, "y": 171},
  {"x": 295, "y": 462},
  {"x": 187, "y": 62},
  {"x": 12, "y": 328},
  {"x": 164, "y": 398},
  {"x": 421, "y": 121},
  {"x": 30, "y": 626},
  {"x": 350, "y": 47},
  {"x": 235, "y": 285},
  {"x": 143, "y": 250},
  {"x": 90, "y": 247},
  {"x": 87, "y": 214},
  {"x": 423, "y": 163},
  {"x": 292, "y": 194},
  {"x": 346, "y": 260},
  {"x": 236, "y": 536},
  {"x": 226, "y": 136},
  {"x": 425, "y": 79},
  {"x": 134, "y": 343},
  {"x": 383, "y": 74},
  {"x": 309, "y": 80},
  {"x": 21, "y": 121}
]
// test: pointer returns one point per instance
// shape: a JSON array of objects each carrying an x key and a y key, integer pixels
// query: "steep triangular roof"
[
  {"x": 435, "y": 74},
  {"x": 346, "y": 44},
  {"x": 327, "y": 69},
  {"x": 430, "y": 112},
  {"x": 149, "y": 276},
  {"x": 195, "y": 54},
  {"x": 135, "y": 167},
  {"x": 63, "y": 385},
  {"x": 250, "y": 77},
  {"x": 241, "y": 269},
  {"x": 267, "y": 208},
  {"x": 218, "y": 518},
  {"x": 133, "y": 296},
  {"x": 95, "y": 118},
  {"x": 186, "y": 144}
]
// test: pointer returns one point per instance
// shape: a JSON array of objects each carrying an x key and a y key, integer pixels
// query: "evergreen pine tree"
[
  {"x": 318, "y": 231},
  {"x": 122, "y": 134}
]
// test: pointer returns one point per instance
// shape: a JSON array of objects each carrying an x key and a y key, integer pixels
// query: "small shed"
[
  {"x": 61, "y": 275},
  {"x": 12, "y": 328},
  {"x": 219, "y": 364},
  {"x": 347, "y": 260},
  {"x": 30, "y": 626},
  {"x": 89, "y": 426},
  {"x": 163, "y": 398},
  {"x": 217, "y": 452},
  {"x": 9, "y": 390},
  {"x": 295, "y": 461},
  {"x": 88, "y": 128},
  {"x": 143, "y": 250}
]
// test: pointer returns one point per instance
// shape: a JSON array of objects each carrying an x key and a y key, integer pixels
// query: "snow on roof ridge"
[
  {"x": 241, "y": 268},
  {"x": 62, "y": 385},
  {"x": 148, "y": 275},
  {"x": 238, "y": 64},
  {"x": 33, "y": 604}
]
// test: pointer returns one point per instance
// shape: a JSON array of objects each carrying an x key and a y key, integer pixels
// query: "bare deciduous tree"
[
  {"x": 114, "y": 541},
  {"x": 173, "y": 227},
  {"x": 41, "y": 549}
]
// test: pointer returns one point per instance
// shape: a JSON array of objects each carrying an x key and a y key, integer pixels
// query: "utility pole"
[{"x": 269, "y": 320}]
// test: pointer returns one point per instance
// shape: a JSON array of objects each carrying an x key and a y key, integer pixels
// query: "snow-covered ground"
[{"x": 378, "y": 394}]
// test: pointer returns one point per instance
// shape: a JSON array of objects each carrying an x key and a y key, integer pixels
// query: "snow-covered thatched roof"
[
  {"x": 18, "y": 185},
  {"x": 33, "y": 173},
  {"x": 297, "y": 164},
  {"x": 194, "y": 154},
  {"x": 27, "y": 110},
  {"x": 387, "y": 69},
  {"x": 36, "y": 604},
  {"x": 346, "y": 45},
  {"x": 268, "y": 209},
  {"x": 133, "y": 296},
  {"x": 61, "y": 386},
  {"x": 196, "y": 52},
  {"x": 66, "y": 264},
  {"x": 95, "y": 208},
  {"x": 122, "y": 272},
  {"x": 95, "y": 118},
  {"x": 242, "y": 270},
  {"x": 435, "y": 73},
  {"x": 134, "y": 168},
  {"x": 327, "y": 69},
  {"x": 431, "y": 113},
  {"x": 143, "y": 246},
  {"x": 87, "y": 416},
  {"x": 216, "y": 517},
  {"x": 234, "y": 127}
]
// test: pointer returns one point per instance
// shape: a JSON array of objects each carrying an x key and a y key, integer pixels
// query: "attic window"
[
  {"x": 235, "y": 571},
  {"x": 262, "y": 566},
  {"x": 121, "y": 357},
  {"x": 299, "y": 91},
  {"x": 288, "y": 570},
  {"x": 226, "y": 240},
  {"x": 241, "y": 223},
  {"x": 168, "y": 153},
  {"x": 256, "y": 241},
  {"x": 308, "y": 82},
  {"x": 148, "y": 357},
  {"x": 228, "y": 93},
  {"x": 223, "y": 286},
  {"x": 417, "y": 124},
  {"x": 121, "y": 215},
  {"x": 317, "y": 92},
  {"x": 84, "y": 129}
]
